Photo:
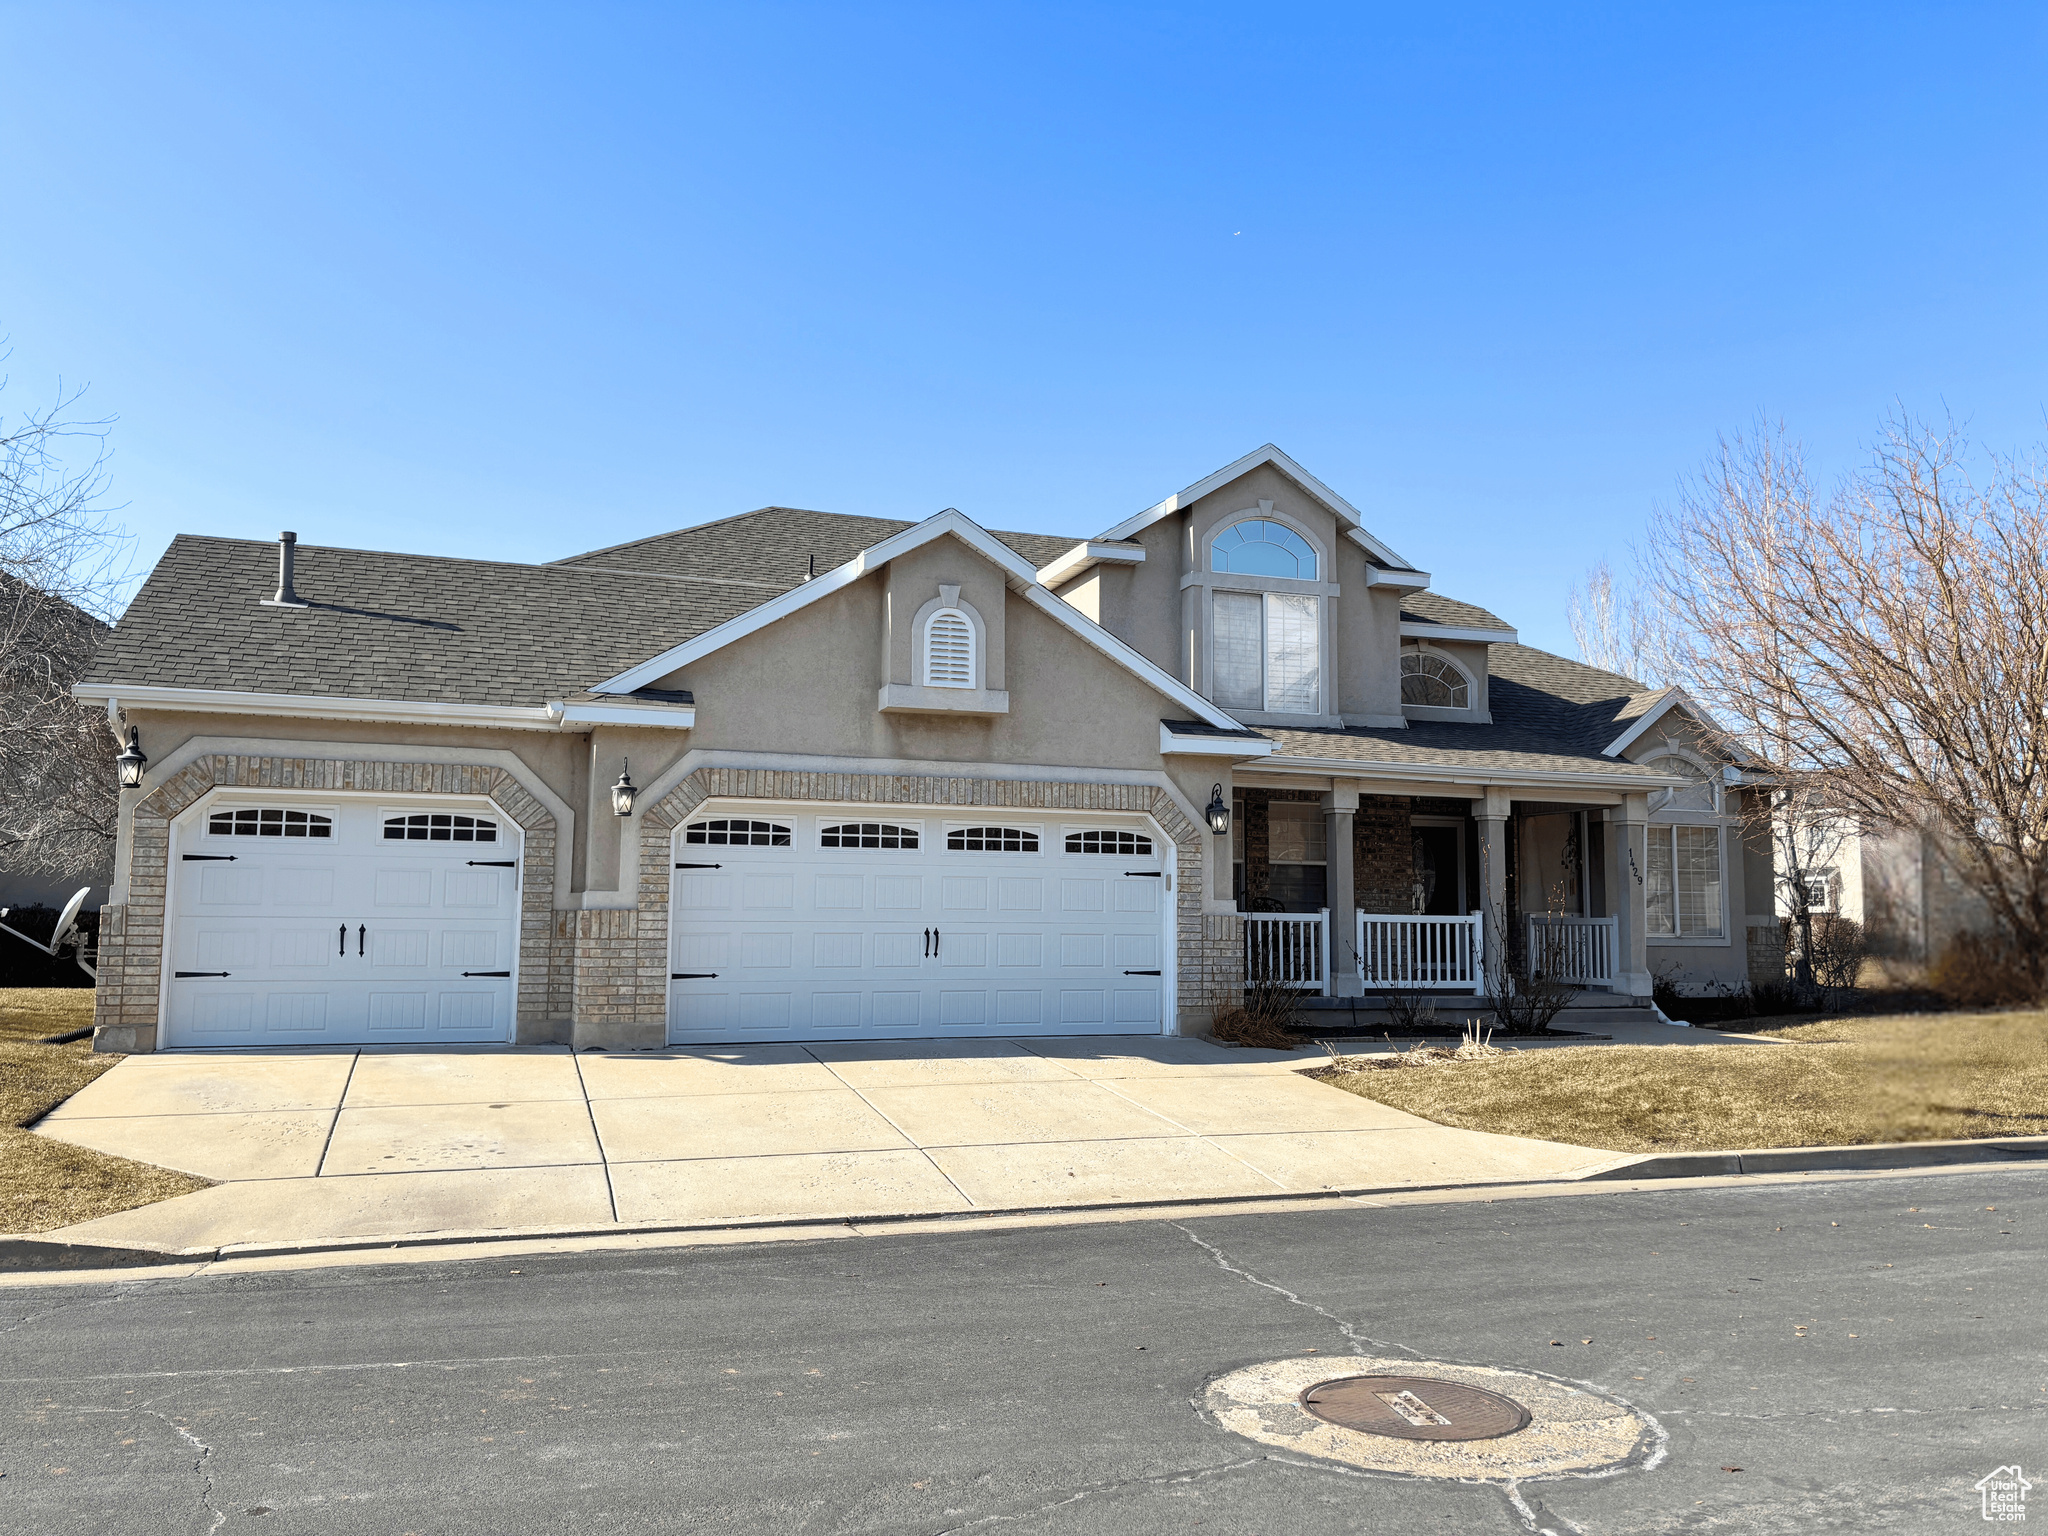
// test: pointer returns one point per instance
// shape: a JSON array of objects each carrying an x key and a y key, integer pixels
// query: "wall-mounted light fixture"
[
  {"x": 623, "y": 792},
  {"x": 131, "y": 762},
  {"x": 1218, "y": 812}
]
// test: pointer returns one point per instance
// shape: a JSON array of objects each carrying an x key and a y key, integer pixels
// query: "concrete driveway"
[{"x": 321, "y": 1146}]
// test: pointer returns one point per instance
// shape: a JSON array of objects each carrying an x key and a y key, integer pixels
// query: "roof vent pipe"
[{"x": 287, "y": 548}]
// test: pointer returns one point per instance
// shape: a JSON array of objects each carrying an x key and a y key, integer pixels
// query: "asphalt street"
[{"x": 1825, "y": 1356}]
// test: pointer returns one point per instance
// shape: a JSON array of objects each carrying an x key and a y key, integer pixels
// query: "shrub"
[
  {"x": 1262, "y": 1021},
  {"x": 1839, "y": 949},
  {"x": 1982, "y": 970}
]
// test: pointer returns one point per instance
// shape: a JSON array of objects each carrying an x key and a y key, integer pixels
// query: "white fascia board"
[
  {"x": 1015, "y": 566},
  {"x": 1673, "y": 698},
  {"x": 660, "y": 717},
  {"x": 1451, "y": 632},
  {"x": 228, "y": 701},
  {"x": 1403, "y": 581},
  {"x": 1211, "y": 746},
  {"x": 1084, "y": 555},
  {"x": 1023, "y": 580},
  {"x": 1270, "y": 454},
  {"x": 1535, "y": 778}
]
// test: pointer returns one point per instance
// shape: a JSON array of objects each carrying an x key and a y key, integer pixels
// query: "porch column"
[
  {"x": 1340, "y": 882},
  {"x": 1628, "y": 861},
  {"x": 1490, "y": 816}
]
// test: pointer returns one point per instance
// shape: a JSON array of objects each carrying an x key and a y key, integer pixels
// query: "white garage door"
[
  {"x": 341, "y": 923},
  {"x": 801, "y": 924}
]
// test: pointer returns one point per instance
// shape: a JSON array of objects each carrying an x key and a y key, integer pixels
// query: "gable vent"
[{"x": 949, "y": 650}]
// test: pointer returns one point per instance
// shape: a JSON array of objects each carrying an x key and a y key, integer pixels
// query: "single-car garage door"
[
  {"x": 301, "y": 922},
  {"x": 797, "y": 923}
]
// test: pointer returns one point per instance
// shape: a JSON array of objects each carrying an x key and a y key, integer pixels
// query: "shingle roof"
[
  {"x": 394, "y": 626},
  {"x": 1550, "y": 714},
  {"x": 1435, "y": 608},
  {"x": 773, "y": 546}
]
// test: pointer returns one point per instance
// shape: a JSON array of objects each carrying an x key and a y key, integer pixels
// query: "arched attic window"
[
  {"x": 1431, "y": 681},
  {"x": 948, "y": 648},
  {"x": 1260, "y": 547}
]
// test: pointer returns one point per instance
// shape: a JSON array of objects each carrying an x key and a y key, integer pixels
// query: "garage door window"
[
  {"x": 734, "y": 832},
  {"x": 991, "y": 840},
  {"x": 1126, "y": 844},
  {"x": 268, "y": 821},
  {"x": 867, "y": 834},
  {"x": 439, "y": 827}
]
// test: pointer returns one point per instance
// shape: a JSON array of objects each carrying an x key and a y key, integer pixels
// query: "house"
[
  {"x": 1900, "y": 884},
  {"x": 792, "y": 775}
]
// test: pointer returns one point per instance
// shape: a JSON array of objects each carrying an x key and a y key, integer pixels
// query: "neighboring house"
[
  {"x": 1897, "y": 883},
  {"x": 954, "y": 783}
]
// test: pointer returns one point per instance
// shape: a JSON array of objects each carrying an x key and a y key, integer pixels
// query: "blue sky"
[{"x": 514, "y": 281}]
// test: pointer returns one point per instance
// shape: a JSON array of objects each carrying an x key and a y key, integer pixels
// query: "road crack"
[{"x": 1357, "y": 1340}]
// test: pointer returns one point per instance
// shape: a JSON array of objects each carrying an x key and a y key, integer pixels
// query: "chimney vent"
[{"x": 287, "y": 548}]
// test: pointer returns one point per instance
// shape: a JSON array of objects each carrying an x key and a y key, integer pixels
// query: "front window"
[
  {"x": 1256, "y": 547},
  {"x": 1683, "y": 889},
  {"x": 1433, "y": 682},
  {"x": 1268, "y": 652}
]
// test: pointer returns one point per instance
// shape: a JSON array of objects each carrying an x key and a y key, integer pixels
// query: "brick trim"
[
  {"x": 132, "y": 935},
  {"x": 621, "y": 973}
]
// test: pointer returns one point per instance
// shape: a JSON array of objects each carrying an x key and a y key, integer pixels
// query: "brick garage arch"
[
  {"x": 132, "y": 935},
  {"x": 622, "y": 956}
]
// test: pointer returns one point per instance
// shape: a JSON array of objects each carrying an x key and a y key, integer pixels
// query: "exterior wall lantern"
[
  {"x": 623, "y": 792},
  {"x": 131, "y": 762},
  {"x": 1218, "y": 812}
]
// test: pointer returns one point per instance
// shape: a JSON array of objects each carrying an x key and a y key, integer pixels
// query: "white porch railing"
[
  {"x": 1399, "y": 953},
  {"x": 1579, "y": 950},
  {"x": 1292, "y": 948}
]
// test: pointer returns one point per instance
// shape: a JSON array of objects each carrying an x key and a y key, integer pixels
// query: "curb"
[
  {"x": 1891, "y": 1154},
  {"x": 19, "y": 1254}
]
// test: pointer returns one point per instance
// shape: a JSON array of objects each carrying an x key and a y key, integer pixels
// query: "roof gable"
[
  {"x": 1020, "y": 576},
  {"x": 1346, "y": 514}
]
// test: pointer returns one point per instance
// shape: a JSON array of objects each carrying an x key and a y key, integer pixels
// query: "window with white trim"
[
  {"x": 1266, "y": 652},
  {"x": 949, "y": 659},
  {"x": 439, "y": 827},
  {"x": 867, "y": 834},
  {"x": 737, "y": 832},
  {"x": 991, "y": 840},
  {"x": 1820, "y": 893},
  {"x": 1433, "y": 682},
  {"x": 1260, "y": 547},
  {"x": 1685, "y": 892},
  {"x": 268, "y": 821}
]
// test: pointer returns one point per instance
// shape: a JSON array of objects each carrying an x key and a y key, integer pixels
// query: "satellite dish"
[{"x": 67, "y": 917}]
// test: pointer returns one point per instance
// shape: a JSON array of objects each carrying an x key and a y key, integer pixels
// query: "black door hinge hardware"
[
  {"x": 693, "y": 975},
  {"x": 927, "y": 943},
  {"x": 344, "y": 940},
  {"x": 1147, "y": 874},
  {"x": 700, "y": 866},
  {"x": 207, "y": 858},
  {"x": 201, "y": 973},
  {"x": 362, "y": 930},
  {"x": 1141, "y": 973},
  {"x": 493, "y": 863},
  {"x": 487, "y": 973}
]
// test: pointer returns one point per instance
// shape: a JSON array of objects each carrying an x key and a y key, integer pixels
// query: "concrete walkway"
[{"x": 328, "y": 1146}]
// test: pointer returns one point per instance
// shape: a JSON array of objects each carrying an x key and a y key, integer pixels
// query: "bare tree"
[
  {"x": 1883, "y": 646},
  {"x": 1613, "y": 629},
  {"x": 1808, "y": 839},
  {"x": 62, "y": 568}
]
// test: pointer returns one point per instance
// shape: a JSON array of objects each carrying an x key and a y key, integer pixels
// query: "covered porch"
[{"x": 1357, "y": 888}]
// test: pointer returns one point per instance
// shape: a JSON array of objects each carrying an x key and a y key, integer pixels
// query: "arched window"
[
  {"x": 1129, "y": 844},
  {"x": 867, "y": 834},
  {"x": 268, "y": 822},
  {"x": 439, "y": 827},
  {"x": 736, "y": 832},
  {"x": 991, "y": 840},
  {"x": 949, "y": 650},
  {"x": 1701, "y": 792},
  {"x": 1257, "y": 547},
  {"x": 1432, "y": 681}
]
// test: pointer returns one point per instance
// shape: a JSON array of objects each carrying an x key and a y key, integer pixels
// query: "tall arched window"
[
  {"x": 1257, "y": 547},
  {"x": 949, "y": 659}
]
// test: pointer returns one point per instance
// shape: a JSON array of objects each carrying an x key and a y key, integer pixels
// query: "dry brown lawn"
[
  {"x": 1842, "y": 1081},
  {"x": 45, "y": 1183}
]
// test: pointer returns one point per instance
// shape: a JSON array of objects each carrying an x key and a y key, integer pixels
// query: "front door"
[{"x": 1440, "y": 866}]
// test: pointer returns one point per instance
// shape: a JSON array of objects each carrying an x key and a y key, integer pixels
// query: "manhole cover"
[{"x": 1414, "y": 1408}]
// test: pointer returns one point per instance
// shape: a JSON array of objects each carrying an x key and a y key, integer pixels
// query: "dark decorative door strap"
[
  {"x": 1141, "y": 973},
  {"x": 700, "y": 866},
  {"x": 207, "y": 858},
  {"x": 344, "y": 940},
  {"x": 1146, "y": 874},
  {"x": 487, "y": 973},
  {"x": 493, "y": 863},
  {"x": 182, "y": 974},
  {"x": 693, "y": 975}
]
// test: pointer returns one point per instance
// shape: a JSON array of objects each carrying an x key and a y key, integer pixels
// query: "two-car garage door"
[{"x": 800, "y": 923}]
